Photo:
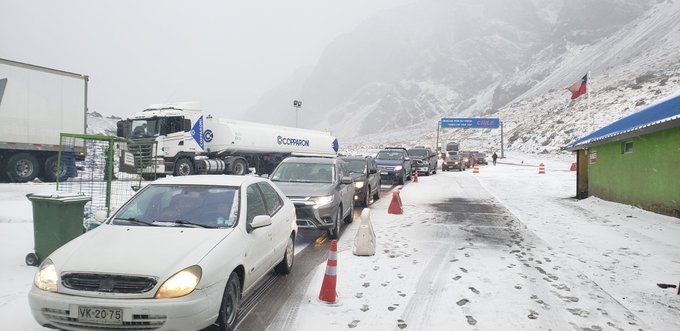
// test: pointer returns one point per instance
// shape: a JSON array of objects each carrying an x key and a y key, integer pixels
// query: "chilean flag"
[{"x": 579, "y": 88}]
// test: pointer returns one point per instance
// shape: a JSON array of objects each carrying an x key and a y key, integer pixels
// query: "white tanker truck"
[{"x": 176, "y": 139}]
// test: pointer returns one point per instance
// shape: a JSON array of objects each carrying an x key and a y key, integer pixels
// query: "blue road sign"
[{"x": 470, "y": 123}]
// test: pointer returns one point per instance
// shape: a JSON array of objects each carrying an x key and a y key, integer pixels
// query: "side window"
[
  {"x": 271, "y": 198},
  {"x": 255, "y": 203}
]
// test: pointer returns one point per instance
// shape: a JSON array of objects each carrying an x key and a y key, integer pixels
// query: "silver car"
[{"x": 320, "y": 188}]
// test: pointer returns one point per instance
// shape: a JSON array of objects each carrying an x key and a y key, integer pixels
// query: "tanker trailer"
[{"x": 177, "y": 139}]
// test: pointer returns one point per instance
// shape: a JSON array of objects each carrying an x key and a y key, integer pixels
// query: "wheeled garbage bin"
[{"x": 57, "y": 219}]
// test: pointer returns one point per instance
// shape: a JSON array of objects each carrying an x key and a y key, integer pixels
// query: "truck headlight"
[
  {"x": 398, "y": 168},
  {"x": 180, "y": 284},
  {"x": 47, "y": 278},
  {"x": 323, "y": 200},
  {"x": 358, "y": 184}
]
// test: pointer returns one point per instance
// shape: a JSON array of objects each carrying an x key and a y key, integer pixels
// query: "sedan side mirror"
[
  {"x": 260, "y": 221},
  {"x": 346, "y": 180},
  {"x": 372, "y": 171}
]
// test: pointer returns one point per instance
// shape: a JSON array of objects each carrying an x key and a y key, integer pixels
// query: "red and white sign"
[{"x": 593, "y": 157}]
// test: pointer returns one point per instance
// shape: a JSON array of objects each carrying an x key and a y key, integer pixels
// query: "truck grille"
[
  {"x": 62, "y": 319},
  {"x": 108, "y": 283},
  {"x": 143, "y": 152}
]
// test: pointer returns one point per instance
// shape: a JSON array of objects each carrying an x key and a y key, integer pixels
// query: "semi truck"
[
  {"x": 36, "y": 105},
  {"x": 178, "y": 139}
]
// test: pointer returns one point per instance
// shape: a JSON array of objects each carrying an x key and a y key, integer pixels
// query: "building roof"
[{"x": 658, "y": 117}]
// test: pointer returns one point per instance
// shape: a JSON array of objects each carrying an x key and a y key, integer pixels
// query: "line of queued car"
[{"x": 184, "y": 251}]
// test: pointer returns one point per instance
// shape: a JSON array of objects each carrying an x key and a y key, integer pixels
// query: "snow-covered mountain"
[
  {"x": 391, "y": 79},
  {"x": 100, "y": 125}
]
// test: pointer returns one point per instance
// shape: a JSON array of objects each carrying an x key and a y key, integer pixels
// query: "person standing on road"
[{"x": 494, "y": 157}]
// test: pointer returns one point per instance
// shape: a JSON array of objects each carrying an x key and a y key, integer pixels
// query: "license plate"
[
  {"x": 99, "y": 315},
  {"x": 384, "y": 173}
]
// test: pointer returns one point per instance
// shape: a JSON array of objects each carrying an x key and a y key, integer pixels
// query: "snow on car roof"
[{"x": 220, "y": 180}]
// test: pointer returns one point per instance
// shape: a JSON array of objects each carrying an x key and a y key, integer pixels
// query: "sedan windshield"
[
  {"x": 182, "y": 206},
  {"x": 304, "y": 173}
]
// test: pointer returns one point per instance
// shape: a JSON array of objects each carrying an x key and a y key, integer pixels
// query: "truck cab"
[{"x": 165, "y": 139}]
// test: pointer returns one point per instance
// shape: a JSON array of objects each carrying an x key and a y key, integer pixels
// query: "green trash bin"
[{"x": 57, "y": 219}]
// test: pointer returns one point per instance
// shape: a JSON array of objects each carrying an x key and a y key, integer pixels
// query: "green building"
[{"x": 635, "y": 160}]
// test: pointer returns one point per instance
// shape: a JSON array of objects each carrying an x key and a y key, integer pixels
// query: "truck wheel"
[
  {"x": 50, "y": 171},
  {"x": 184, "y": 167},
  {"x": 22, "y": 167},
  {"x": 239, "y": 167}
]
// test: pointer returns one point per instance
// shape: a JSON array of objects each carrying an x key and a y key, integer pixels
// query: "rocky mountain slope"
[{"x": 391, "y": 79}]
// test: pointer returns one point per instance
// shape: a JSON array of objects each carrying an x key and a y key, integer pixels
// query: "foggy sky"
[{"x": 224, "y": 54}]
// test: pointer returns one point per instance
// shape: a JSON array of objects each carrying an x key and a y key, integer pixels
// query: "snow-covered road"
[{"x": 503, "y": 249}]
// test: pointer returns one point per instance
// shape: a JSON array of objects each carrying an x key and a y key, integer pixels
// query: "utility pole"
[
  {"x": 297, "y": 104},
  {"x": 502, "y": 152},
  {"x": 436, "y": 146}
]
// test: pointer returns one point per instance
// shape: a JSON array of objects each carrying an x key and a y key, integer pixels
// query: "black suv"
[
  {"x": 366, "y": 177},
  {"x": 424, "y": 160},
  {"x": 321, "y": 190}
]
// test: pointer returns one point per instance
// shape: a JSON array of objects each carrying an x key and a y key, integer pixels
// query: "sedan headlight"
[
  {"x": 398, "y": 168},
  {"x": 359, "y": 184},
  {"x": 47, "y": 278},
  {"x": 180, "y": 284},
  {"x": 323, "y": 200}
]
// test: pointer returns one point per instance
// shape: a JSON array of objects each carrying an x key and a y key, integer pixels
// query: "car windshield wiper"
[
  {"x": 183, "y": 223},
  {"x": 133, "y": 220}
]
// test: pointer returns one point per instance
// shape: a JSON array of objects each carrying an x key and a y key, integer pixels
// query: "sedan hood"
[
  {"x": 138, "y": 250},
  {"x": 305, "y": 189}
]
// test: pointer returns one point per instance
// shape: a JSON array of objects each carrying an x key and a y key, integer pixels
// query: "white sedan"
[{"x": 178, "y": 256}]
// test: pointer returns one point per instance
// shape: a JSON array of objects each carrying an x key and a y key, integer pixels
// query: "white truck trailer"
[
  {"x": 36, "y": 105},
  {"x": 177, "y": 139}
]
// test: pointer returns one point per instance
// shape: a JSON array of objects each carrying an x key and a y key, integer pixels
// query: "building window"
[{"x": 628, "y": 147}]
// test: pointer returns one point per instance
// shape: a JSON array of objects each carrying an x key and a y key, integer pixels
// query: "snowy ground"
[{"x": 530, "y": 257}]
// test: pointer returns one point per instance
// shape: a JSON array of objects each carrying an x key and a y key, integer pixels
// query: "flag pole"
[{"x": 588, "y": 87}]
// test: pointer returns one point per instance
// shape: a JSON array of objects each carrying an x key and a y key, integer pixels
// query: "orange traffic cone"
[
  {"x": 395, "y": 204},
  {"x": 541, "y": 169},
  {"x": 415, "y": 176},
  {"x": 328, "y": 293},
  {"x": 475, "y": 169}
]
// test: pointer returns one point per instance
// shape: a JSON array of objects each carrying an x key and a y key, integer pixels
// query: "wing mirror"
[
  {"x": 372, "y": 171},
  {"x": 260, "y": 221},
  {"x": 346, "y": 180}
]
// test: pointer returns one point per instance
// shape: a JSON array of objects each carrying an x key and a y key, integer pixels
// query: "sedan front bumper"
[{"x": 192, "y": 312}]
